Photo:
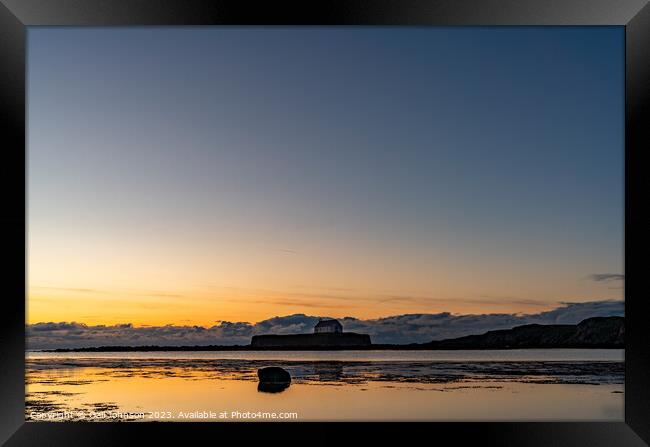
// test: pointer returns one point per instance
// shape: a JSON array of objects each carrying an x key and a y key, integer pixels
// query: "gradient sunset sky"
[{"x": 193, "y": 175}]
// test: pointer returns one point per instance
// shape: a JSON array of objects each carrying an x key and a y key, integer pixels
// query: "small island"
[{"x": 327, "y": 334}]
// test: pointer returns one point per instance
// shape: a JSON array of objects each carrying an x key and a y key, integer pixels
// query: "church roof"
[{"x": 326, "y": 323}]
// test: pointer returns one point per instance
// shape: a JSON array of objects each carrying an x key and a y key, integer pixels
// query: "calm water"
[
  {"x": 615, "y": 355},
  {"x": 327, "y": 385}
]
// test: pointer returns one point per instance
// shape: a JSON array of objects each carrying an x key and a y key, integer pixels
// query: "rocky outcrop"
[
  {"x": 598, "y": 332},
  {"x": 273, "y": 374},
  {"x": 273, "y": 379}
]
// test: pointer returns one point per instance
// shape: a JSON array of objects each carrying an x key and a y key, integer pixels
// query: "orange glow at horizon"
[
  {"x": 209, "y": 306},
  {"x": 158, "y": 279}
]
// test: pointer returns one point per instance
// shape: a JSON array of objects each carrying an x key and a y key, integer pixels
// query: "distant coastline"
[
  {"x": 350, "y": 340},
  {"x": 592, "y": 333}
]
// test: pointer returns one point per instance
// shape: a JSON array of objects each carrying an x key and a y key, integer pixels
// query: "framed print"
[{"x": 417, "y": 219}]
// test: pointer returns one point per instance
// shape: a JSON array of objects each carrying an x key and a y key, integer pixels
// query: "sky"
[
  {"x": 195, "y": 176},
  {"x": 409, "y": 328}
]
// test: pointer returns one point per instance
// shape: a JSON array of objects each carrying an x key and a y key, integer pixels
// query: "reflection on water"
[
  {"x": 271, "y": 387},
  {"x": 177, "y": 389},
  {"x": 573, "y": 355},
  {"x": 328, "y": 371}
]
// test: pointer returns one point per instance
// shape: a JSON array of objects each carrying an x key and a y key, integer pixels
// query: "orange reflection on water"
[{"x": 191, "y": 394}]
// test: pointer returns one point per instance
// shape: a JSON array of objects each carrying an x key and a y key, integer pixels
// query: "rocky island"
[{"x": 327, "y": 334}]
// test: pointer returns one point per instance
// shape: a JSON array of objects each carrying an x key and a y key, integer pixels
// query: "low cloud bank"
[
  {"x": 409, "y": 328},
  {"x": 607, "y": 277}
]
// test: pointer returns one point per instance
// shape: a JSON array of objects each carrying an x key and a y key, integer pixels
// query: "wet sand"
[{"x": 140, "y": 389}]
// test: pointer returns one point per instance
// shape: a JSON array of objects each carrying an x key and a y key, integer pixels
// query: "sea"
[{"x": 223, "y": 386}]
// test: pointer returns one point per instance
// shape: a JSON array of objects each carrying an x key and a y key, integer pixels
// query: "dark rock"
[
  {"x": 600, "y": 330},
  {"x": 597, "y": 332},
  {"x": 274, "y": 375}
]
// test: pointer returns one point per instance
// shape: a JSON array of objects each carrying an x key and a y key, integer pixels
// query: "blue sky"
[{"x": 448, "y": 164}]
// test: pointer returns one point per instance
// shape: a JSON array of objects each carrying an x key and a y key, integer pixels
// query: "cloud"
[
  {"x": 70, "y": 289},
  {"x": 144, "y": 293},
  {"x": 408, "y": 328},
  {"x": 572, "y": 313},
  {"x": 54, "y": 335},
  {"x": 607, "y": 277},
  {"x": 288, "y": 250}
]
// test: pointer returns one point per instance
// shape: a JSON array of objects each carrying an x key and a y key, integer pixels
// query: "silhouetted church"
[
  {"x": 328, "y": 334},
  {"x": 328, "y": 327}
]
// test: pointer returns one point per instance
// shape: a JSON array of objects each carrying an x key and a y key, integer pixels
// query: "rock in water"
[{"x": 273, "y": 374}]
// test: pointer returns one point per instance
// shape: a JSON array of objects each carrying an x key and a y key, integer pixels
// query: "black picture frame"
[{"x": 16, "y": 15}]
